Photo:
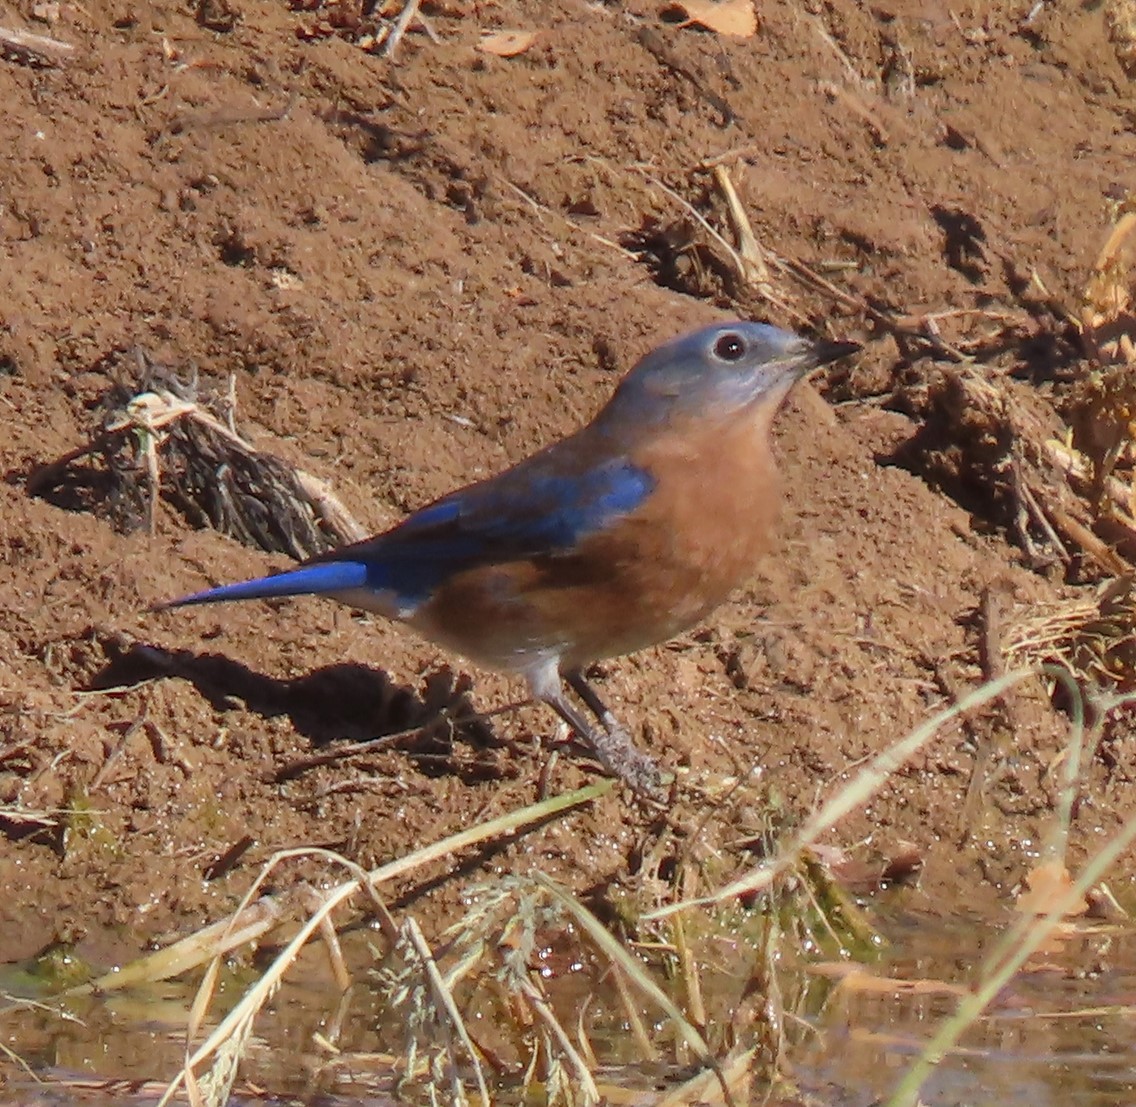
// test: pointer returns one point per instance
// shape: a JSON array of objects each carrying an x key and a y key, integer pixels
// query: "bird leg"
[
  {"x": 590, "y": 697},
  {"x": 609, "y": 741}
]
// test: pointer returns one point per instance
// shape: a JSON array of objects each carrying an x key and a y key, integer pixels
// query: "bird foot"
[
  {"x": 617, "y": 753},
  {"x": 608, "y": 740}
]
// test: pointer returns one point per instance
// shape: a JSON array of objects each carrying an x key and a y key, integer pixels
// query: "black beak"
[{"x": 824, "y": 352}]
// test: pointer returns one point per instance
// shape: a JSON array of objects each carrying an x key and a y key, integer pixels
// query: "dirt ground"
[{"x": 419, "y": 269}]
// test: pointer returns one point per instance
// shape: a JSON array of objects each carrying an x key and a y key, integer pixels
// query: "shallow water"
[{"x": 1061, "y": 1033}]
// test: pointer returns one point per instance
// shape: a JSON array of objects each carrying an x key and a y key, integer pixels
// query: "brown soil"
[{"x": 418, "y": 271}]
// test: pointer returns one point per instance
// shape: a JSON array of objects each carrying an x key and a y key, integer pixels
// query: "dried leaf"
[
  {"x": 1045, "y": 885},
  {"x": 1108, "y": 309},
  {"x": 506, "y": 44},
  {"x": 900, "y": 862},
  {"x": 857, "y": 979},
  {"x": 724, "y": 17}
]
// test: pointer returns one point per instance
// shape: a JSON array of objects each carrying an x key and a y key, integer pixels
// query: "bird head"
[{"x": 718, "y": 371}]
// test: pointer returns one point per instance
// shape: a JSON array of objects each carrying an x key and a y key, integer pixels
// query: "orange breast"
[{"x": 645, "y": 579}]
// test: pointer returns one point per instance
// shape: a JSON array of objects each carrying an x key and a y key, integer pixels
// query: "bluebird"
[{"x": 620, "y": 536}]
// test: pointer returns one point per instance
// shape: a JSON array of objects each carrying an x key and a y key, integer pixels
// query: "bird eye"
[{"x": 730, "y": 347}]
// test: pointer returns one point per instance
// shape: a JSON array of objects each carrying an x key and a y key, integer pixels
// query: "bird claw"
[{"x": 617, "y": 753}]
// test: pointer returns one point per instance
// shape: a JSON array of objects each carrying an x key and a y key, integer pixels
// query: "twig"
[
  {"x": 1073, "y": 469},
  {"x": 584, "y": 1081},
  {"x": 227, "y": 117},
  {"x": 36, "y": 49},
  {"x": 409, "y": 11},
  {"x": 691, "y": 210},
  {"x": 114, "y": 755},
  {"x": 917, "y": 328},
  {"x": 543, "y": 210},
  {"x": 986, "y": 747},
  {"x": 344, "y": 752},
  {"x": 1042, "y": 520},
  {"x": 312, "y": 899},
  {"x": 731, "y": 154},
  {"x": 326, "y": 505},
  {"x": 1100, "y": 551},
  {"x": 753, "y": 257},
  {"x": 737, "y": 260},
  {"x": 1076, "y": 470},
  {"x": 822, "y": 33},
  {"x": 444, "y": 998},
  {"x": 47, "y": 475}
]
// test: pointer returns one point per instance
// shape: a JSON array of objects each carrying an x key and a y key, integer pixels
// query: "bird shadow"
[{"x": 332, "y": 704}]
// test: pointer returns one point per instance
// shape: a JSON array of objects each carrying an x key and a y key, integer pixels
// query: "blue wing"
[{"x": 540, "y": 508}]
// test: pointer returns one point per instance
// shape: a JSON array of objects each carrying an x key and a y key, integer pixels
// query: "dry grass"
[
  {"x": 476, "y": 1017},
  {"x": 1093, "y": 637},
  {"x": 663, "y": 979},
  {"x": 654, "y": 968},
  {"x": 1102, "y": 409},
  {"x": 160, "y": 440},
  {"x": 524, "y": 1038}
]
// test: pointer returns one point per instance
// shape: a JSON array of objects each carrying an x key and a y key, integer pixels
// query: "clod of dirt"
[
  {"x": 983, "y": 441},
  {"x": 1121, "y": 18}
]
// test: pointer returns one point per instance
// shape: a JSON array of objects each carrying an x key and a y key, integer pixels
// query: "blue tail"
[{"x": 325, "y": 576}]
